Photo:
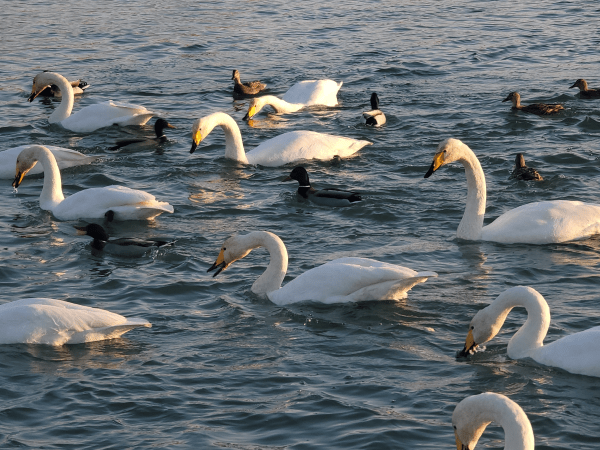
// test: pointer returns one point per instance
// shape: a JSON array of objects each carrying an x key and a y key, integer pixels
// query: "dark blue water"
[{"x": 223, "y": 368}]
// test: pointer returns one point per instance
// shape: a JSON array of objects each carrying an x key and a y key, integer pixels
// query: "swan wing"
[
  {"x": 105, "y": 114},
  {"x": 545, "y": 222},
  {"x": 314, "y": 92},
  {"x": 64, "y": 157},
  {"x": 299, "y": 145},
  {"x": 55, "y": 322},
  {"x": 349, "y": 279}
]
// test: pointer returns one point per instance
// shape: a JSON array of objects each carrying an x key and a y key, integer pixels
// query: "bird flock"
[{"x": 349, "y": 279}]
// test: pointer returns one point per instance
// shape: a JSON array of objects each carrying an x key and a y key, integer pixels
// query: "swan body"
[
  {"x": 522, "y": 172},
  {"x": 248, "y": 88},
  {"x": 305, "y": 93},
  {"x": 541, "y": 109},
  {"x": 94, "y": 203},
  {"x": 534, "y": 223},
  {"x": 159, "y": 127},
  {"x": 473, "y": 414},
  {"x": 339, "y": 281},
  {"x": 56, "y": 322},
  {"x": 584, "y": 91},
  {"x": 64, "y": 158},
  {"x": 91, "y": 117},
  {"x": 577, "y": 353},
  {"x": 325, "y": 197},
  {"x": 375, "y": 117},
  {"x": 280, "y": 150}
]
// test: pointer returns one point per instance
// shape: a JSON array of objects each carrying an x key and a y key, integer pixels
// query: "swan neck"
[
  {"x": 234, "y": 146},
  {"x": 52, "y": 194},
  {"x": 471, "y": 225},
  {"x": 273, "y": 276},
  {"x": 67, "y": 99},
  {"x": 279, "y": 105}
]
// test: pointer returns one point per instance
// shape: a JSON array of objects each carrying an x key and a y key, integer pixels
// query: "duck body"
[
  {"x": 540, "y": 109},
  {"x": 130, "y": 247},
  {"x": 304, "y": 93},
  {"x": 524, "y": 173},
  {"x": 56, "y": 322},
  {"x": 584, "y": 91},
  {"x": 159, "y": 127},
  {"x": 339, "y": 281},
  {"x": 280, "y": 150},
  {"x": 324, "y": 197},
  {"x": 248, "y": 88},
  {"x": 577, "y": 353},
  {"x": 375, "y": 117},
  {"x": 91, "y": 117},
  {"x": 94, "y": 203},
  {"x": 534, "y": 223},
  {"x": 64, "y": 158}
]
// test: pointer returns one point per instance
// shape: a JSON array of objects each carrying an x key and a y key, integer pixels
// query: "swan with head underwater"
[
  {"x": 305, "y": 93},
  {"x": 534, "y": 223},
  {"x": 342, "y": 280},
  {"x": 577, "y": 353},
  {"x": 473, "y": 414},
  {"x": 280, "y": 150},
  {"x": 93, "y": 203},
  {"x": 91, "y": 117}
]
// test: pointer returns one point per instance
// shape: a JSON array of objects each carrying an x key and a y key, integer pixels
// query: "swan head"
[
  {"x": 41, "y": 82},
  {"x": 581, "y": 84},
  {"x": 197, "y": 134},
  {"x": 513, "y": 97},
  {"x": 255, "y": 106},
  {"x": 300, "y": 175},
  {"x": 232, "y": 250},
  {"x": 484, "y": 326},
  {"x": 448, "y": 151},
  {"x": 25, "y": 162}
]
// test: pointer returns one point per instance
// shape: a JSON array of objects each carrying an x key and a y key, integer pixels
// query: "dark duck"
[
  {"x": 159, "y": 127},
  {"x": 584, "y": 91},
  {"x": 248, "y": 88},
  {"x": 375, "y": 117},
  {"x": 325, "y": 197},
  {"x": 522, "y": 172},
  {"x": 541, "y": 109}
]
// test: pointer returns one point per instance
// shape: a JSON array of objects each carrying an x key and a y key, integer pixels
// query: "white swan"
[
  {"x": 55, "y": 322},
  {"x": 577, "y": 353},
  {"x": 339, "y": 281},
  {"x": 91, "y": 117},
  {"x": 64, "y": 158},
  {"x": 283, "y": 149},
  {"x": 534, "y": 223},
  {"x": 94, "y": 203},
  {"x": 305, "y": 93},
  {"x": 473, "y": 414}
]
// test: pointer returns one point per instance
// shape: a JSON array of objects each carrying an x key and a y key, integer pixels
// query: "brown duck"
[
  {"x": 541, "y": 109},
  {"x": 248, "y": 88},
  {"x": 522, "y": 172},
  {"x": 584, "y": 91}
]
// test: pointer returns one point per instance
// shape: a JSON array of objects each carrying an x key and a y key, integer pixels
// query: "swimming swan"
[
  {"x": 305, "y": 93},
  {"x": 64, "y": 158},
  {"x": 339, "y": 281},
  {"x": 534, "y": 223},
  {"x": 283, "y": 149},
  {"x": 473, "y": 414},
  {"x": 93, "y": 203},
  {"x": 577, "y": 353},
  {"x": 56, "y": 322},
  {"x": 91, "y": 117}
]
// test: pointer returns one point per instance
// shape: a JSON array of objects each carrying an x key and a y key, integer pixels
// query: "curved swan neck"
[
  {"x": 279, "y": 105},
  {"x": 472, "y": 222},
  {"x": 66, "y": 103},
  {"x": 475, "y": 413},
  {"x": 273, "y": 276},
  {"x": 234, "y": 147},
  {"x": 52, "y": 194}
]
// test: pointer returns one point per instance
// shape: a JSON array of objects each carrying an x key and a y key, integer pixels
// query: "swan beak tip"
[
  {"x": 469, "y": 347},
  {"x": 246, "y": 117},
  {"x": 18, "y": 179},
  {"x": 429, "y": 172},
  {"x": 219, "y": 266},
  {"x": 193, "y": 149}
]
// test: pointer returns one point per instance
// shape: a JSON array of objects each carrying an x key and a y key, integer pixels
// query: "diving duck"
[
  {"x": 121, "y": 247},
  {"x": 541, "y": 109},
  {"x": 160, "y": 138},
  {"x": 54, "y": 91},
  {"x": 584, "y": 91},
  {"x": 248, "y": 88},
  {"x": 375, "y": 117},
  {"x": 325, "y": 197},
  {"x": 522, "y": 172}
]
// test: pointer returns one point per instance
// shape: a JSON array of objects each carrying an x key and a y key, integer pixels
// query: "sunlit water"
[{"x": 222, "y": 368}]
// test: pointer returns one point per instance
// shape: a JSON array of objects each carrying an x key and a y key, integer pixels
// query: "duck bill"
[
  {"x": 171, "y": 126},
  {"x": 250, "y": 114},
  {"x": 470, "y": 345},
  {"x": 574, "y": 85},
  {"x": 196, "y": 139},
  {"x": 438, "y": 160},
  {"x": 219, "y": 264},
  {"x": 80, "y": 230},
  {"x": 507, "y": 99},
  {"x": 288, "y": 178},
  {"x": 18, "y": 178}
]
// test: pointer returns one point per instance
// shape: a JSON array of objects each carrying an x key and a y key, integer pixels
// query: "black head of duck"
[
  {"x": 159, "y": 127},
  {"x": 540, "y": 109}
]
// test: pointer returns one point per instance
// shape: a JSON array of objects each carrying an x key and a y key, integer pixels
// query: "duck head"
[
  {"x": 513, "y": 97},
  {"x": 235, "y": 75},
  {"x": 581, "y": 84},
  {"x": 160, "y": 125},
  {"x": 520, "y": 161},
  {"x": 300, "y": 175},
  {"x": 93, "y": 230},
  {"x": 232, "y": 250},
  {"x": 374, "y": 101},
  {"x": 448, "y": 151}
]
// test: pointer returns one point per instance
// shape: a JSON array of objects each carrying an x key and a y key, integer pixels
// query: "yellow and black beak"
[
  {"x": 196, "y": 139},
  {"x": 459, "y": 444},
  {"x": 18, "y": 178},
  {"x": 470, "y": 345},
  {"x": 219, "y": 264},
  {"x": 438, "y": 160},
  {"x": 250, "y": 113}
]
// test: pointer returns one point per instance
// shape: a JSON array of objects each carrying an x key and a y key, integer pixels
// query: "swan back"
[
  {"x": 472, "y": 415},
  {"x": 314, "y": 92}
]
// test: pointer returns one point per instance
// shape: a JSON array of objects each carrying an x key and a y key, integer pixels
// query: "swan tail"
[
  {"x": 387, "y": 290},
  {"x": 130, "y": 212},
  {"x": 110, "y": 332},
  {"x": 138, "y": 119}
]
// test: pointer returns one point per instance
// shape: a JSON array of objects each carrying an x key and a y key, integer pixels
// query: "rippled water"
[{"x": 223, "y": 368}]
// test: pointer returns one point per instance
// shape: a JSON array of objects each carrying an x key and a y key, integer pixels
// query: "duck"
[
  {"x": 544, "y": 222},
  {"x": 375, "y": 117},
  {"x": 283, "y": 149},
  {"x": 132, "y": 247},
  {"x": 578, "y": 353},
  {"x": 325, "y": 197},
  {"x": 248, "y": 88},
  {"x": 304, "y": 93},
  {"x": 91, "y": 117},
  {"x": 473, "y": 414},
  {"x": 522, "y": 172},
  {"x": 64, "y": 158},
  {"x": 584, "y": 91},
  {"x": 342, "y": 280},
  {"x": 54, "y": 91},
  {"x": 55, "y": 322},
  {"x": 159, "y": 127},
  {"x": 93, "y": 203},
  {"x": 541, "y": 109}
]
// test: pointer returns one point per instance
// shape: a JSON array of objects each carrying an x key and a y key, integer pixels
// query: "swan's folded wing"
[
  {"x": 64, "y": 158},
  {"x": 314, "y": 92}
]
